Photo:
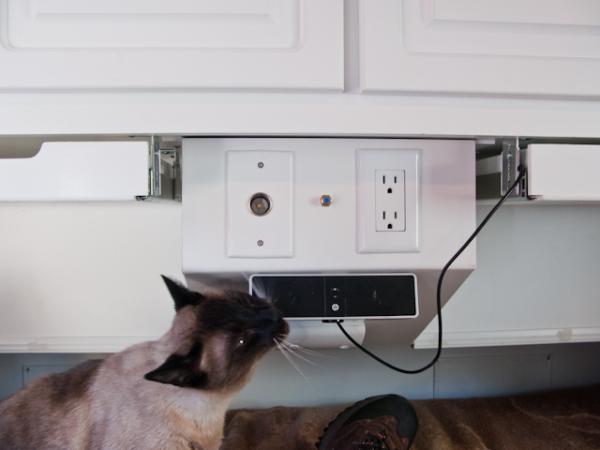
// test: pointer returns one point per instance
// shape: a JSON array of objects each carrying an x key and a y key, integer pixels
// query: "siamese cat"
[{"x": 169, "y": 394}]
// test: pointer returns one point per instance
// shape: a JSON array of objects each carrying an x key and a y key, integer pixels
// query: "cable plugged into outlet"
[{"x": 390, "y": 211}]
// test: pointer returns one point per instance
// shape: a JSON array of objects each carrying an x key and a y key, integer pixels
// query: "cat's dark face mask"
[{"x": 219, "y": 338}]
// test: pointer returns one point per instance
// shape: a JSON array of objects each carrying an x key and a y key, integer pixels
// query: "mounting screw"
[{"x": 326, "y": 200}]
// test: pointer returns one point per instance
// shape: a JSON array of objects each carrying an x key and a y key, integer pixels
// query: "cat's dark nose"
[
  {"x": 280, "y": 326},
  {"x": 272, "y": 324},
  {"x": 275, "y": 326}
]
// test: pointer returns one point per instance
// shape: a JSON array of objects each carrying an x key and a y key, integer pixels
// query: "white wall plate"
[
  {"x": 266, "y": 175},
  {"x": 381, "y": 173}
]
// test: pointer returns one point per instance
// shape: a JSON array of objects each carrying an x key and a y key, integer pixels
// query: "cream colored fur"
[{"x": 119, "y": 409}]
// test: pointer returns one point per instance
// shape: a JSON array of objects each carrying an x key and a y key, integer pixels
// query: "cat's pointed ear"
[
  {"x": 181, "y": 370},
  {"x": 182, "y": 296}
]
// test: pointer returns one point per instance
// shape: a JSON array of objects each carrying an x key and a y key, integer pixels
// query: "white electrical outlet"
[{"x": 388, "y": 200}]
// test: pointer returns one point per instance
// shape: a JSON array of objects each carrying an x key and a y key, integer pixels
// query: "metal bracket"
[
  {"x": 165, "y": 167},
  {"x": 497, "y": 172}
]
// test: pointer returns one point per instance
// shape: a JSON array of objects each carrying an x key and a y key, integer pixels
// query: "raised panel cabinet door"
[
  {"x": 149, "y": 44},
  {"x": 543, "y": 48}
]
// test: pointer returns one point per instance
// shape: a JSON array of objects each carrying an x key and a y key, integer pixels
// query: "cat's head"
[{"x": 218, "y": 338}]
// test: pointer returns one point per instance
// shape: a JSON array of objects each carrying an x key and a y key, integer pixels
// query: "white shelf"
[{"x": 495, "y": 338}]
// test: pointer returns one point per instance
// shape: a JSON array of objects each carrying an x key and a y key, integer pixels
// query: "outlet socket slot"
[{"x": 390, "y": 201}]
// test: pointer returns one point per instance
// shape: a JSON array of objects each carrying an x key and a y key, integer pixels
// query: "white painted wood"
[
  {"x": 77, "y": 171},
  {"x": 230, "y": 114},
  {"x": 516, "y": 47},
  {"x": 507, "y": 337},
  {"x": 132, "y": 44},
  {"x": 563, "y": 172}
]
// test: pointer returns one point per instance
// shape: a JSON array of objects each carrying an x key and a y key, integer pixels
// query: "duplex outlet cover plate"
[{"x": 387, "y": 183}]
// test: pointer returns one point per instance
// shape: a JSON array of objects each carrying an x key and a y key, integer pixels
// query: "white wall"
[
  {"x": 100, "y": 263},
  {"x": 536, "y": 280},
  {"x": 72, "y": 254}
]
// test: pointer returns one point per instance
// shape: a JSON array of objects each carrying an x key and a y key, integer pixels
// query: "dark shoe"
[{"x": 385, "y": 422}]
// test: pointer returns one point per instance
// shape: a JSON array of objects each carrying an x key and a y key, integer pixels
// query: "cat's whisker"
[
  {"x": 301, "y": 353},
  {"x": 298, "y": 355},
  {"x": 308, "y": 351},
  {"x": 294, "y": 365}
]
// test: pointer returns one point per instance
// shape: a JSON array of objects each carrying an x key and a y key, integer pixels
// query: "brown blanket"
[{"x": 559, "y": 420}]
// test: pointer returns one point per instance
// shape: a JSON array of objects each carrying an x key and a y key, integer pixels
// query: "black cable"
[{"x": 522, "y": 172}]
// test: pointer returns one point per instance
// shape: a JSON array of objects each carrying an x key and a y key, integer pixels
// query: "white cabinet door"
[
  {"x": 258, "y": 44},
  {"x": 520, "y": 47}
]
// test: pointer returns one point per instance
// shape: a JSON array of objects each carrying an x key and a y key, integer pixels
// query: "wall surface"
[
  {"x": 536, "y": 280},
  {"x": 346, "y": 376},
  {"x": 83, "y": 269},
  {"x": 60, "y": 254}
]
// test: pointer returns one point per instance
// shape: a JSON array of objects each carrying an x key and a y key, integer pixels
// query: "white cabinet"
[
  {"x": 230, "y": 44},
  {"x": 520, "y": 47}
]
